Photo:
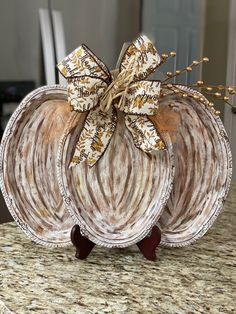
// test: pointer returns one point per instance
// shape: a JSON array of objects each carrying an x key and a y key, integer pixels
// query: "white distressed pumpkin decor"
[{"x": 116, "y": 153}]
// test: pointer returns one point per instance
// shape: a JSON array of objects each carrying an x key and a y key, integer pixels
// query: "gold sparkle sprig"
[
  {"x": 220, "y": 92},
  {"x": 166, "y": 56},
  {"x": 216, "y": 91},
  {"x": 189, "y": 68},
  {"x": 170, "y": 89}
]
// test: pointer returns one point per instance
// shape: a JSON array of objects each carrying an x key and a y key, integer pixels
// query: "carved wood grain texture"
[
  {"x": 116, "y": 202},
  {"x": 203, "y": 170},
  {"x": 28, "y": 166}
]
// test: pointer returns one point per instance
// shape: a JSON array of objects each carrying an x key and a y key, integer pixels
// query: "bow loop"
[
  {"x": 145, "y": 56},
  {"x": 84, "y": 92},
  {"x": 83, "y": 62},
  {"x": 142, "y": 98}
]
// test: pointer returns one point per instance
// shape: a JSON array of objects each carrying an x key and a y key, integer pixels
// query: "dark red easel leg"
[
  {"x": 83, "y": 245},
  {"x": 148, "y": 245}
]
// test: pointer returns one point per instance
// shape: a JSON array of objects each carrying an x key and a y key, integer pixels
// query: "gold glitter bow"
[{"x": 92, "y": 88}]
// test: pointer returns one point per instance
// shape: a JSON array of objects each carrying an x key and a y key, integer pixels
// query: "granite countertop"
[{"x": 197, "y": 279}]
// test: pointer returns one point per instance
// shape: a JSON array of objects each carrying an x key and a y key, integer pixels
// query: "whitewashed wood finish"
[
  {"x": 117, "y": 201},
  {"x": 203, "y": 169},
  {"x": 28, "y": 166}
]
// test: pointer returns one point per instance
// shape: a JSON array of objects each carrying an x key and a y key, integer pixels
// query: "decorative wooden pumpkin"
[{"x": 122, "y": 155}]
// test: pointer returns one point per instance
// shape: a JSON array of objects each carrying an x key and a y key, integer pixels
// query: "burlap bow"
[{"x": 92, "y": 87}]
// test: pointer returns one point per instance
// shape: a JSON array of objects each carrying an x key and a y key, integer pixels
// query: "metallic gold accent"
[
  {"x": 189, "y": 68},
  {"x": 210, "y": 104},
  {"x": 200, "y": 83},
  {"x": 231, "y": 90},
  {"x": 205, "y": 59},
  {"x": 164, "y": 56},
  {"x": 172, "y": 53}
]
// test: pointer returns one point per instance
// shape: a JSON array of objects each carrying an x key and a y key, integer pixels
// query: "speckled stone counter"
[{"x": 196, "y": 279}]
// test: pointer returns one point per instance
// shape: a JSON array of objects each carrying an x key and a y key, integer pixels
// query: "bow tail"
[
  {"x": 95, "y": 136},
  {"x": 144, "y": 133}
]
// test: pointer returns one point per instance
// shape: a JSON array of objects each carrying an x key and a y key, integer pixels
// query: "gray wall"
[
  {"x": 103, "y": 25},
  {"x": 216, "y": 45},
  {"x": 19, "y": 35}
]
